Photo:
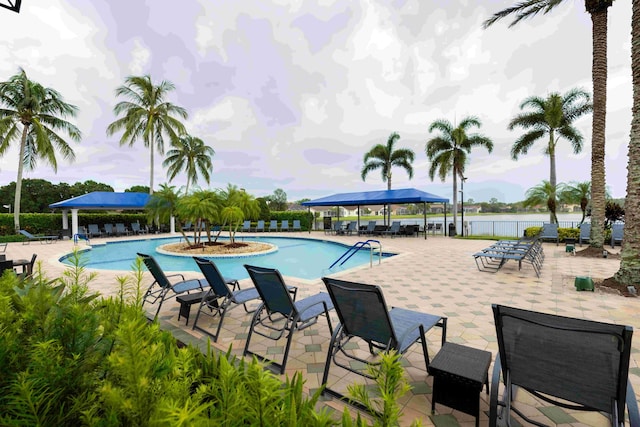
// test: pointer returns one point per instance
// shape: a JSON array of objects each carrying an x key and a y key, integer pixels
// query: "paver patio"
[{"x": 438, "y": 276}]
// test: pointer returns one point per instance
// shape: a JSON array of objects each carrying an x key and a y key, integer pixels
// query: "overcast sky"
[{"x": 291, "y": 94}]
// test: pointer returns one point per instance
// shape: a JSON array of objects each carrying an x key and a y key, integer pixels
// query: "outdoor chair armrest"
[{"x": 175, "y": 275}]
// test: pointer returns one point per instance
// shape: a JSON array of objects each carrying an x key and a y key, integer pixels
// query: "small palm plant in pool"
[{"x": 234, "y": 216}]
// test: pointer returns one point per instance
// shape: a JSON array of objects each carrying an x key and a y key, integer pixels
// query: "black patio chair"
[
  {"x": 223, "y": 295},
  {"x": 162, "y": 288},
  {"x": 364, "y": 316},
  {"x": 585, "y": 233},
  {"x": 549, "y": 232},
  {"x": 572, "y": 363},
  {"x": 279, "y": 314}
]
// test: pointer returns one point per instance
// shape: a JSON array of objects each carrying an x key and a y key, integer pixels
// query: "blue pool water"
[{"x": 297, "y": 257}]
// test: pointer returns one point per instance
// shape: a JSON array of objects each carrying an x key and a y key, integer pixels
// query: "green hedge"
[{"x": 51, "y": 223}]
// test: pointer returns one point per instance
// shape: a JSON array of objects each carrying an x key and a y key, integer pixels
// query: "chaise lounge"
[{"x": 39, "y": 238}]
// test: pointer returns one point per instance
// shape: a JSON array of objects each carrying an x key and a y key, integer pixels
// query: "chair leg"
[
  {"x": 495, "y": 384},
  {"x": 254, "y": 320}
]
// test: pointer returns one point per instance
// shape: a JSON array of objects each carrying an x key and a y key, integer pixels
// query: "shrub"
[{"x": 71, "y": 357}]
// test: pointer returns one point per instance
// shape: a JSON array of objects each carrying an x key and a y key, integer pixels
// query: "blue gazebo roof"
[
  {"x": 104, "y": 200},
  {"x": 405, "y": 195}
]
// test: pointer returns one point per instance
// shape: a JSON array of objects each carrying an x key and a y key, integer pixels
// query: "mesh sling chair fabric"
[
  {"x": 363, "y": 315},
  {"x": 617, "y": 233},
  {"x": 220, "y": 298},
  {"x": 585, "y": 233},
  {"x": 549, "y": 232},
  {"x": 162, "y": 288},
  {"x": 279, "y": 314},
  {"x": 573, "y": 363}
]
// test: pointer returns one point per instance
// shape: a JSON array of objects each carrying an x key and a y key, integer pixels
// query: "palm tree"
[
  {"x": 146, "y": 115},
  {"x": 161, "y": 206},
  {"x": 201, "y": 208},
  {"x": 246, "y": 207},
  {"x": 629, "y": 272},
  {"x": 544, "y": 194},
  {"x": 551, "y": 117},
  {"x": 384, "y": 157},
  {"x": 190, "y": 154},
  {"x": 32, "y": 115},
  {"x": 448, "y": 151},
  {"x": 577, "y": 192},
  {"x": 598, "y": 9}
]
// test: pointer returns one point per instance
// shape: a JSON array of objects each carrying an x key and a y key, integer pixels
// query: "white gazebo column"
[
  {"x": 74, "y": 222},
  {"x": 65, "y": 219}
]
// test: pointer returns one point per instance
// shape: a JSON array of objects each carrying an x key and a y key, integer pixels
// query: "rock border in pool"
[{"x": 272, "y": 248}]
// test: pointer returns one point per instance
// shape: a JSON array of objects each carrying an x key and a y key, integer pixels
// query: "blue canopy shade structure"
[
  {"x": 381, "y": 197},
  {"x": 405, "y": 195},
  {"x": 98, "y": 200},
  {"x": 104, "y": 200}
]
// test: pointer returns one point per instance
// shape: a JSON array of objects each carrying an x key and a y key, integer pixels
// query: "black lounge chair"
[
  {"x": 223, "y": 295},
  {"x": 549, "y": 232},
  {"x": 617, "y": 232},
  {"x": 572, "y": 363},
  {"x": 351, "y": 227},
  {"x": 364, "y": 316},
  {"x": 394, "y": 230},
  {"x": 259, "y": 226},
  {"x": 585, "y": 233},
  {"x": 93, "y": 230},
  {"x": 108, "y": 229},
  {"x": 162, "y": 288},
  {"x": 526, "y": 250},
  {"x": 121, "y": 230},
  {"x": 40, "y": 238},
  {"x": 136, "y": 229},
  {"x": 279, "y": 314},
  {"x": 371, "y": 226},
  {"x": 6, "y": 265}
]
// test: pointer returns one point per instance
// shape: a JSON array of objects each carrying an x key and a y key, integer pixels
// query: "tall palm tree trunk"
[
  {"x": 629, "y": 272},
  {"x": 151, "y": 150},
  {"x": 553, "y": 180},
  {"x": 454, "y": 208},
  {"x": 18, "y": 195},
  {"x": 598, "y": 125}
]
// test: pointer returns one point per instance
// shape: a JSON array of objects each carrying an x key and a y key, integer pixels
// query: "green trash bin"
[{"x": 584, "y": 283}]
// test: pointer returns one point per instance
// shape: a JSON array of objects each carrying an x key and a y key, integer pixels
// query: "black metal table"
[
  {"x": 459, "y": 372},
  {"x": 186, "y": 301}
]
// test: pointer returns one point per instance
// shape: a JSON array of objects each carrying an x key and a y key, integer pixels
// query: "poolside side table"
[
  {"x": 186, "y": 301},
  {"x": 459, "y": 372}
]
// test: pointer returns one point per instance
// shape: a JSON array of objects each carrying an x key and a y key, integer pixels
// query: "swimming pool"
[{"x": 298, "y": 257}]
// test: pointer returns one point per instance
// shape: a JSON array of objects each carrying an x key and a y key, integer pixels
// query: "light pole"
[
  {"x": 462, "y": 180},
  {"x": 7, "y": 207}
]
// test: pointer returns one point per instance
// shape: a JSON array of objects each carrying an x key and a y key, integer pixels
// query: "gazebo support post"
[{"x": 424, "y": 204}]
